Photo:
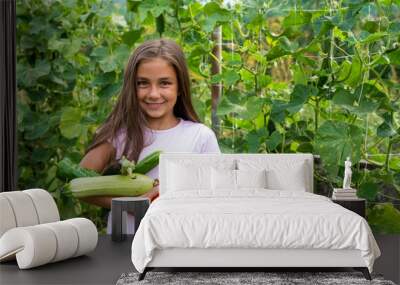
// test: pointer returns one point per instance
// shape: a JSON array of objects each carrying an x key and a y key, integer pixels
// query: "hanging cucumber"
[{"x": 160, "y": 24}]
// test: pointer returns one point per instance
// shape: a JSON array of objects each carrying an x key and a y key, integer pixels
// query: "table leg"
[{"x": 116, "y": 210}]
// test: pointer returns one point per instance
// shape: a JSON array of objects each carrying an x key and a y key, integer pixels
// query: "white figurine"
[{"x": 347, "y": 174}]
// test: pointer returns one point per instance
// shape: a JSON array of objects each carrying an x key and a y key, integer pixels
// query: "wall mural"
[{"x": 320, "y": 77}]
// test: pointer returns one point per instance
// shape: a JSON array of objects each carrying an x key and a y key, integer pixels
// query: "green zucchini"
[
  {"x": 69, "y": 170},
  {"x": 144, "y": 166},
  {"x": 148, "y": 163},
  {"x": 112, "y": 185}
]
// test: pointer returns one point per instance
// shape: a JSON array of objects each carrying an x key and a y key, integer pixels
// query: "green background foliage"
[{"x": 298, "y": 76}]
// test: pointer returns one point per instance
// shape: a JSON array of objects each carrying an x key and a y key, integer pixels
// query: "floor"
[
  {"x": 94, "y": 268},
  {"x": 110, "y": 259}
]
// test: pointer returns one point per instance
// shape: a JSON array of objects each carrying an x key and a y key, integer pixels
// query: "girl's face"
[{"x": 157, "y": 89}]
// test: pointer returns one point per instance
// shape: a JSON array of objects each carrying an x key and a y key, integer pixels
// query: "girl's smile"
[{"x": 154, "y": 106}]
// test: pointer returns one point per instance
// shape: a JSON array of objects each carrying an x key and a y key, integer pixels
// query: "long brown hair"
[{"x": 127, "y": 115}]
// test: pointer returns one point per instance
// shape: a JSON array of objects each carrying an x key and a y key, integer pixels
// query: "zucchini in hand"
[
  {"x": 148, "y": 163},
  {"x": 69, "y": 170},
  {"x": 112, "y": 185},
  {"x": 131, "y": 182},
  {"x": 126, "y": 166}
]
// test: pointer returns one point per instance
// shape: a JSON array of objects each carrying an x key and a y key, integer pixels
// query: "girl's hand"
[{"x": 152, "y": 194}]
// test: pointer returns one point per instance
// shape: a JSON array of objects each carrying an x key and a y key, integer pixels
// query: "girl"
[{"x": 154, "y": 111}]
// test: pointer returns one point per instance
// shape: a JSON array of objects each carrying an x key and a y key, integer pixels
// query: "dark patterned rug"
[{"x": 243, "y": 278}]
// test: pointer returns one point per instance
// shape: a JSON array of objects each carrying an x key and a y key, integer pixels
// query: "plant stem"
[
  {"x": 316, "y": 113},
  {"x": 389, "y": 148},
  {"x": 388, "y": 196}
]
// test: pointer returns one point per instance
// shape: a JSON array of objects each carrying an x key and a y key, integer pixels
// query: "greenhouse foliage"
[{"x": 298, "y": 76}]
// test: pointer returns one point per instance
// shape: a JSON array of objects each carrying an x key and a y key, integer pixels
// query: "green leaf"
[
  {"x": 305, "y": 147},
  {"x": 299, "y": 97},
  {"x": 369, "y": 11},
  {"x": 104, "y": 78},
  {"x": 394, "y": 56},
  {"x": 57, "y": 44},
  {"x": 368, "y": 190},
  {"x": 38, "y": 128},
  {"x": 27, "y": 42},
  {"x": 113, "y": 61},
  {"x": 72, "y": 47},
  {"x": 28, "y": 75},
  {"x": 253, "y": 141},
  {"x": 58, "y": 80},
  {"x": 230, "y": 77},
  {"x": 282, "y": 47},
  {"x": 70, "y": 123},
  {"x": 366, "y": 106},
  {"x": 232, "y": 59},
  {"x": 41, "y": 155},
  {"x": 200, "y": 107},
  {"x": 122, "y": 53},
  {"x": 337, "y": 140},
  {"x": 274, "y": 140},
  {"x": 156, "y": 8},
  {"x": 212, "y": 9},
  {"x": 374, "y": 37},
  {"x": 225, "y": 107},
  {"x": 322, "y": 26},
  {"x": 109, "y": 64},
  {"x": 131, "y": 37},
  {"x": 216, "y": 78},
  {"x": 253, "y": 107},
  {"x": 299, "y": 76},
  {"x": 296, "y": 18},
  {"x": 100, "y": 52},
  {"x": 51, "y": 174},
  {"x": 110, "y": 90},
  {"x": 42, "y": 68},
  {"x": 343, "y": 97},
  {"x": 278, "y": 112},
  {"x": 386, "y": 129},
  {"x": 214, "y": 14},
  {"x": 247, "y": 76},
  {"x": 263, "y": 80},
  {"x": 384, "y": 218},
  {"x": 132, "y": 5}
]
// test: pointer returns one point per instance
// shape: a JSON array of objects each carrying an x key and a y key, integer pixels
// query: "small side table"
[
  {"x": 136, "y": 205},
  {"x": 356, "y": 205}
]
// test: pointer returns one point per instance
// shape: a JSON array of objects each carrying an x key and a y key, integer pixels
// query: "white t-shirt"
[{"x": 186, "y": 136}]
